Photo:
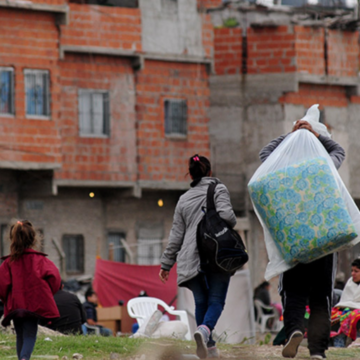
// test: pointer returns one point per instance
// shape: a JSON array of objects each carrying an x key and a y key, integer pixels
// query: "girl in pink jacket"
[{"x": 28, "y": 281}]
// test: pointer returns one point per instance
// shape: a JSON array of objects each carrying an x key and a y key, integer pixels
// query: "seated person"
[
  {"x": 262, "y": 293},
  {"x": 72, "y": 313},
  {"x": 91, "y": 314},
  {"x": 346, "y": 313}
]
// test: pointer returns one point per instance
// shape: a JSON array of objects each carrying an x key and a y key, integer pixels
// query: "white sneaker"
[
  {"x": 201, "y": 336},
  {"x": 317, "y": 356},
  {"x": 291, "y": 347}
]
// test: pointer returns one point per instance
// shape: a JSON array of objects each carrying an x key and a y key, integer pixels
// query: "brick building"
[
  {"x": 269, "y": 68},
  {"x": 100, "y": 107},
  {"x": 110, "y": 101}
]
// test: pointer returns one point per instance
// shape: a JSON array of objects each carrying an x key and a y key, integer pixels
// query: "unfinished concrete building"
[{"x": 270, "y": 65}]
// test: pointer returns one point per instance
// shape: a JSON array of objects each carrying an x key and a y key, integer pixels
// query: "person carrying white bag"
[{"x": 306, "y": 221}]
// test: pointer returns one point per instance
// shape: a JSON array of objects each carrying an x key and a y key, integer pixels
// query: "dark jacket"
[
  {"x": 27, "y": 286},
  {"x": 72, "y": 313},
  {"x": 90, "y": 310}
]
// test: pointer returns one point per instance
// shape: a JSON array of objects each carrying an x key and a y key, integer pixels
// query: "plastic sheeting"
[
  {"x": 302, "y": 204},
  {"x": 114, "y": 281}
]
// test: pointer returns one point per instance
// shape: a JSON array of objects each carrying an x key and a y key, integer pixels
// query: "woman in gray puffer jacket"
[{"x": 209, "y": 288}]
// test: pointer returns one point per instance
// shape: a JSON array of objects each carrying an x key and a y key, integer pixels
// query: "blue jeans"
[
  {"x": 26, "y": 330},
  {"x": 209, "y": 290},
  {"x": 105, "y": 331}
]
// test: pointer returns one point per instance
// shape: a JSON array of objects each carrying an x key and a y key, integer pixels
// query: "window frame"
[
  {"x": 175, "y": 135},
  {"x": 108, "y": 120},
  {"x": 12, "y": 97},
  {"x": 81, "y": 268},
  {"x": 147, "y": 243},
  {"x": 48, "y": 98},
  {"x": 122, "y": 235}
]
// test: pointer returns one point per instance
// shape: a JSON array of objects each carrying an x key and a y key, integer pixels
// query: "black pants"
[{"x": 313, "y": 284}]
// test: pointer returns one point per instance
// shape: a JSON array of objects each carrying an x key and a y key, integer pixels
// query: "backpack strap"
[{"x": 210, "y": 203}]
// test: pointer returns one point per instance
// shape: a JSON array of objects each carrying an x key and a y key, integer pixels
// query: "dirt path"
[{"x": 164, "y": 351}]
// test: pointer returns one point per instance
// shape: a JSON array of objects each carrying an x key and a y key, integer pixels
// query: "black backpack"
[{"x": 221, "y": 248}]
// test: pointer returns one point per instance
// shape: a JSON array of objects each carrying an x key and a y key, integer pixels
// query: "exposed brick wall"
[
  {"x": 87, "y": 158},
  {"x": 271, "y": 50},
  {"x": 227, "y": 50},
  {"x": 310, "y": 50},
  {"x": 325, "y": 95},
  {"x": 286, "y": 49},
  {"x": 94, "y": 25},
  {"x": 207, "y": 35},
  {"x": 161, "y": 158},
  {"x": 355, "y": 99},
  {"x": 28, "y": 40},
  {"x": 343, "y": 53}
]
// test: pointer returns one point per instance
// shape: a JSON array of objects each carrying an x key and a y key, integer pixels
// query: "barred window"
[
  {"x": 119, "y": 251},
  {"x": 149, "y": 251},
  {"x": 37, "y": 93},
  {"x": 94, "y": 113},
  {"x": 175, "y": 117},
  {"x": 73, "y": 246},
  {"x": 149, "y": 244},
  {"x": 6, "y": 91}
]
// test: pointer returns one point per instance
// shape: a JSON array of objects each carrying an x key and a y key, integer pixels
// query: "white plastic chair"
[
  {"x": 263, "y": 318},
  {"x": 86, "y": 327},
  {"x": 142, "y": 307}
]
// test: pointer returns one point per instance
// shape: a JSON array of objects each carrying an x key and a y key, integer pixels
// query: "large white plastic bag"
[{"x": 303, "y": 205}]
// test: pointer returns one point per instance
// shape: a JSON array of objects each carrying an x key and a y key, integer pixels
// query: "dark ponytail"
[
  {"x": 22, "y": 236},
  {"x": 199, "y": 166}
]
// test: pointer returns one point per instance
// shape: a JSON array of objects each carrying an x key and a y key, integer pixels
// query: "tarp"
[{"x": 114, "y": 281}]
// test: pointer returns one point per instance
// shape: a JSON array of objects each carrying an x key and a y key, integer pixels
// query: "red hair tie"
[{"x": 196, "y": 158}]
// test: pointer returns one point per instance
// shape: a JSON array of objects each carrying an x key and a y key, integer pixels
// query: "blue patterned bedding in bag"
[{"x": 303, "y": 209}]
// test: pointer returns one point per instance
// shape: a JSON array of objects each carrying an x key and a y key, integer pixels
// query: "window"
[
  {"x": 175, "y": 117},
  {"x": 94, "y": 113},
  {"x": 6, "y": 91},
  {"x": 149, "y": 251},
  {"x": 149, "y": 244},
  {"x": 37, "y": 93},
  {"x": 119, "y": 251},
  {"x": 73, "y": 246}
]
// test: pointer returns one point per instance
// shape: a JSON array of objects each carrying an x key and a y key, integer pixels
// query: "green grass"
[
  {"x": 98, "y": 347},
  {"x": 91, "y": 347}
]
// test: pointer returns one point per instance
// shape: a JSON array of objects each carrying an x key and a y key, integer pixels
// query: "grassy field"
[{"x": 96, "y": 348}]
